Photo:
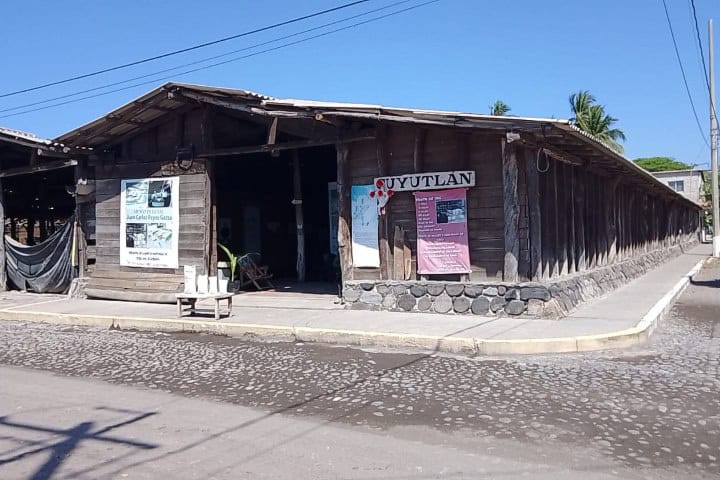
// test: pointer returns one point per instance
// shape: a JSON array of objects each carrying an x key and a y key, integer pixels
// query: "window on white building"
[{"x": 677, "y": 185}]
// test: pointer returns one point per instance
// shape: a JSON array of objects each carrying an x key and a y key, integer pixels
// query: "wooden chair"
[{"x": 251, "y": 272}]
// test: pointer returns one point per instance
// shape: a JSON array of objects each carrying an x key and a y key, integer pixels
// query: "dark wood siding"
[{"x": 444, "y": 150}]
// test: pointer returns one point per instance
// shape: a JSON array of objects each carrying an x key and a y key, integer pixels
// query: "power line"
[
  {"x": 702, "y": 57},
  {"x": 682, "y": 70},
  {"x": 186, "y": 72},
  {"x": 203, "y": 60},
  {"x": 187, "y": 49}
]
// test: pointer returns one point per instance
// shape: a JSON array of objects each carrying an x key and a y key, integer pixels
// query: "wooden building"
[
  {"x": 37, "y": 179},
  {"x": 547, "y": 202}
]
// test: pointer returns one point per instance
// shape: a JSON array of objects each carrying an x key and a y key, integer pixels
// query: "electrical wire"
[
  {"x": 682, "y": 70},
  {"x": 187, "y": 49},
  {"x": 186, "y": 72},
  {"x": 203, "y": 60}
]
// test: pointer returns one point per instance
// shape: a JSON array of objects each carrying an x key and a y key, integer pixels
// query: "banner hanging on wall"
[
  {"x": 442, "y": 235},
  {"x": 149, "y": 222},
  {"x": 364, "y": 212}
]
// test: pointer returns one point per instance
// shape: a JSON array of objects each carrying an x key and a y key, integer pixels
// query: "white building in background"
[{"x": 686, "y": 182}]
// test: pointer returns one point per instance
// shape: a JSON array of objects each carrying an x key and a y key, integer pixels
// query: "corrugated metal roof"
[
  {"x": 20, "y": 135},
  {"x": 146, "y": 108}
]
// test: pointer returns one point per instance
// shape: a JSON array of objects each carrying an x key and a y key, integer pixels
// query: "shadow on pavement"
[{"x": 70, "y": 440}]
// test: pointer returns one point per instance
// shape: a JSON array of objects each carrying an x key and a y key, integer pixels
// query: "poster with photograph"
[
  {"x": 149, "y": 222},
  {"x": 364, "y": 209},
  {"x": 442, "y": 233}
]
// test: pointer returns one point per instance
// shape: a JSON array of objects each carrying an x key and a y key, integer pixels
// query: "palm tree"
[
  {"x": 580, "y": 102},
  {"x": 499, "y": 108},
  {"x": 592, "y": 119}
]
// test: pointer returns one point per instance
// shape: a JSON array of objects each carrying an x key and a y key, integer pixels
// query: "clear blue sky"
[{"x": 455, "y": 54}]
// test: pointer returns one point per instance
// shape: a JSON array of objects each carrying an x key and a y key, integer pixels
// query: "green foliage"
[
  {"x": 661, "y": 164},
  {"x": 592, "y": 118},
  {"x": 232, "y": 258},
  {"x": 499, "y": 108}
]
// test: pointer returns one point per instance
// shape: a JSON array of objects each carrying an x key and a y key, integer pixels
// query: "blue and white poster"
[{"x": 364, "y": 208}]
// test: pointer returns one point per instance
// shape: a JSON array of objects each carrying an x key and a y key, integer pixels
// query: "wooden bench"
[{"x": 192, "y": 298}]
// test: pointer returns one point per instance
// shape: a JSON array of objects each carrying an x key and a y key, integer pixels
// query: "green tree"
[
  {"x": 661, "y": 164},
  {"x": 592, "y": 118},
  {"x": 499, "y": 108}
]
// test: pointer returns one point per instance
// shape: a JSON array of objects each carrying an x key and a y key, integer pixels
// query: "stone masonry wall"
[{"x": 553, "y": 299}]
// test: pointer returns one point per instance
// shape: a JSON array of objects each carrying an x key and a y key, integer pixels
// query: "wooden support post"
[
  {"x": 512, "y": 212},
  {"x": 569, "y": 182},
  {"x": 299, "y": 222},
  {"x": 611, "y": 220},
  {"x": 589, "y": 219},
  {"x": 534, "y": 214},
  {"x": 3, "y": 273},
  {"x": 547, "y": 216},
  {"x": 555, "y": 267},
  {"x": 562, "y": 219},
  {"x": 207, "y": 136},
  {"x": 343, "y": 196},
  {"x": 383, "y": 241},
  {"x": 398, "y": 271},
  {"x": 601, "y": 217},
  {"x": 579, "y": 213}
]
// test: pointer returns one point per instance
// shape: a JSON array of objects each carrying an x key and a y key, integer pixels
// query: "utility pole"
[{"x": 713, "y": 146}]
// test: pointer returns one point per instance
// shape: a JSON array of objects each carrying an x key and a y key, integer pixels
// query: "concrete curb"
[{"x": 458, "y": 345}]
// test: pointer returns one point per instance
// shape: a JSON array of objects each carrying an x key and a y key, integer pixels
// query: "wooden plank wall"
[
  {"x": 408, "y": 149},
  {"x": 152, "y": 154},
  {"x": 589, "y": 220}
]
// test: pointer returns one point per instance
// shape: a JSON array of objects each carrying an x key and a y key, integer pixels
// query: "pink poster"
[{"x": 442, "y": 234}]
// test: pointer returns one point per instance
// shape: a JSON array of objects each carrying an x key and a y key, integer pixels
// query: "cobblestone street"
[{"x": 654, "y": 408}]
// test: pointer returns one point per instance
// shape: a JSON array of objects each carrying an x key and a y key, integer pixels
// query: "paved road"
[{"x": 652, "y": 412}]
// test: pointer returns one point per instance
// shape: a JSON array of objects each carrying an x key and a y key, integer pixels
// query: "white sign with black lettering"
[
  {"x": 427, "y": 181},
  {"x": 149, "y": 222}
]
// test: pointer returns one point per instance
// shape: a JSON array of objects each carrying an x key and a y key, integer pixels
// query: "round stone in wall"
[
  {"x": 540, "y": 293},
  {"x": 490, "y": 292},
  {"x": 473, "y": 290},
  {"x": 512, "y": 294},
  {"x": 501, "y": 290},
  {"x": 367, "y": 286},
  {"x": 389, "y": 301},
  {"x": 371, "y": 298},
  {"x": 406, "y": 302},
  {"x": 497, "y": 303},
  {"x": 383, "y": 289},
  {"x": 480, "y": 306},
  {"x": 418, "y": 290},
  {"x": 424, "y": 304},
  {"x": 515, "y": 307},
  {"x": 435, "y": 289},
  {"x": 399, "y": 289},
  {"x": 461, "y": 305},
  {"x": 351, "y": 294},
  {"x": 443, "y": 303},
  {"x": 454, "y": 289}
]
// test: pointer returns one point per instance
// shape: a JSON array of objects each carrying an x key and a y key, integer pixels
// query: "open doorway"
[
  {"x": 37, "y": 204},
  {"x": 256, "y": 214}
]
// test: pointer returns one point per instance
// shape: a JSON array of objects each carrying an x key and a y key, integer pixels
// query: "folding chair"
[{"x": 251, "y": 271}]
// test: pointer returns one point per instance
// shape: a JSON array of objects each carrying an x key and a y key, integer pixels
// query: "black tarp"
[{"x": 45, "y": 267}]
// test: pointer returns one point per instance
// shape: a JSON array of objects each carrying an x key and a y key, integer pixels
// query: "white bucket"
[{"x": 202, "y": 284}]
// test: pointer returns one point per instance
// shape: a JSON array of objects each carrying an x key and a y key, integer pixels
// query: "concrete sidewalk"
[{"x": 625, "y": 317}]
